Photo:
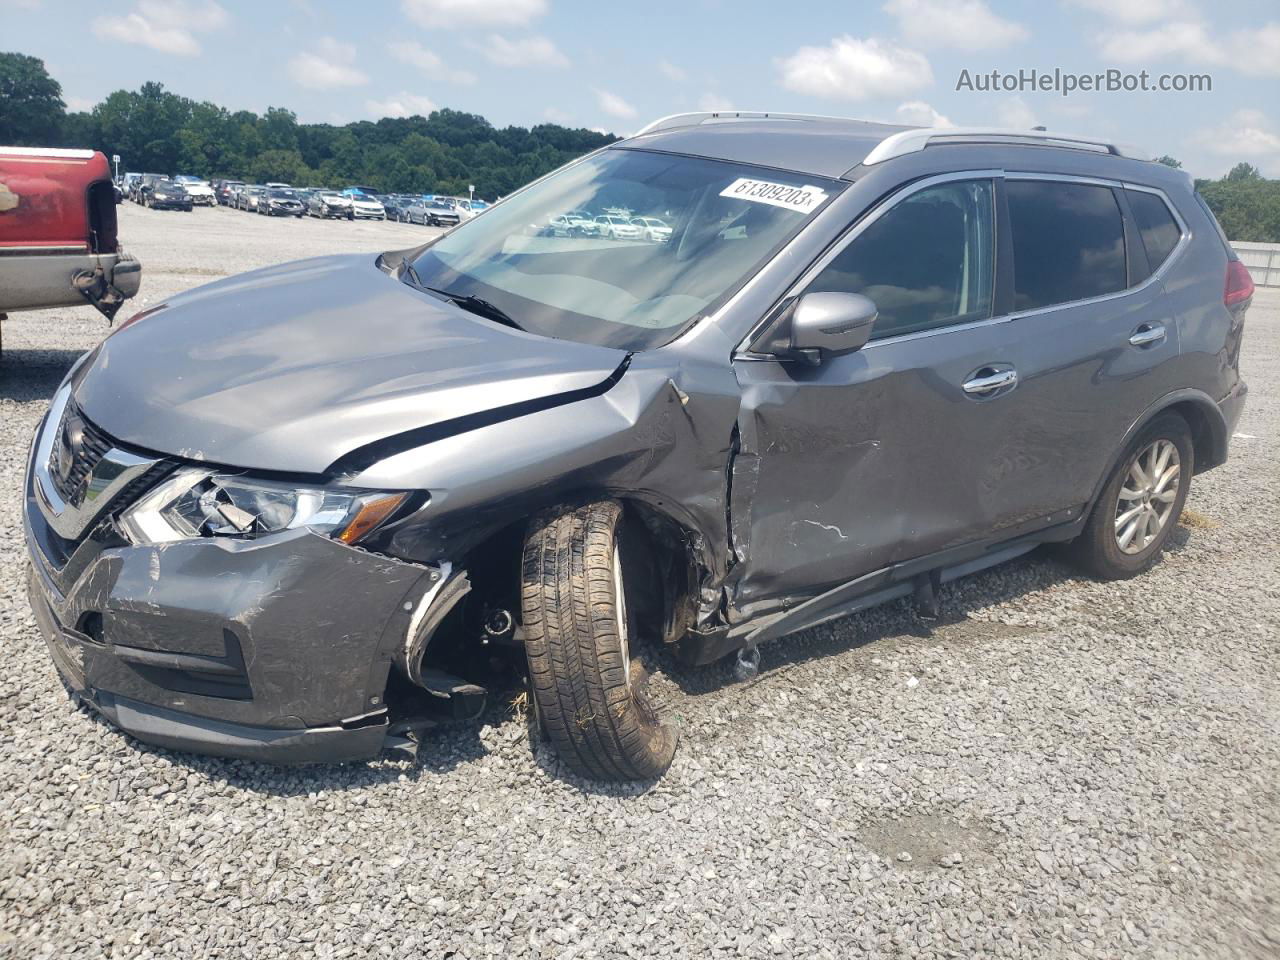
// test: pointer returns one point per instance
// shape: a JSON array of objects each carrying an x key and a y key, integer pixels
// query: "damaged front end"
[{"x": 273, "y": 647}]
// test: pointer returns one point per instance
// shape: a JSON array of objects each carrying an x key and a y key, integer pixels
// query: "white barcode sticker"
[{"x": 804, "y": 199}]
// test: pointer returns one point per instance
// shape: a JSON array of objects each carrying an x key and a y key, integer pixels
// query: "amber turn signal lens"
[{"x": 370, "y": 516}]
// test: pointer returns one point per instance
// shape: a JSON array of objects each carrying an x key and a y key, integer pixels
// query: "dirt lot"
[{"x": 1062, "y": 768}]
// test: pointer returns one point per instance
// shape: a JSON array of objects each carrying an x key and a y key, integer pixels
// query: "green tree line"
[{"x": 155, "y": 130}]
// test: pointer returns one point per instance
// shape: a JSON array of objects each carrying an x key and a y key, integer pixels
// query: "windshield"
[
  {"x": 282, "y": 194},
  {"x": 621, "y": 287}
]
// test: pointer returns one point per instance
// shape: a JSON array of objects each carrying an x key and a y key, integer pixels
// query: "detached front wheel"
[{"x": 587, "y": 690}]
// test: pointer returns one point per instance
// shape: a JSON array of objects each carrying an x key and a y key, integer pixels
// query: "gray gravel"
[{"x": 1064, "y": 769}]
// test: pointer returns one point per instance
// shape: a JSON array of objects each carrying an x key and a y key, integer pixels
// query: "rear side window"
[
  {"x": 1160, "y": 232},
  {"x": 926, "y": 262},
  {"x": 1068, "y": 242}
]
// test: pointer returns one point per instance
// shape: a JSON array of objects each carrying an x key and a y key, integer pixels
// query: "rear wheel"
[
  {"x": 1140, "y": 505},
  {"x": 579, "y": 567}
]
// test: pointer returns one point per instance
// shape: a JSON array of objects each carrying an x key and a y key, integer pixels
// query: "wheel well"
[
  {"x": 493, "y": 567},
  {"x": 1206, "y": 434}
]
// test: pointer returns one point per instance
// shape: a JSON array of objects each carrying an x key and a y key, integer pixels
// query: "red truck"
[{"x": 58, "y": 244}]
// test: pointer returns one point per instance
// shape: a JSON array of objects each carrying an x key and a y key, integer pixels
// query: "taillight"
[{"x": 1239, "y": 284}]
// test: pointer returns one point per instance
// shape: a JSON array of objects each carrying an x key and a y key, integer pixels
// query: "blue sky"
[{"x": 616, "y": 65}]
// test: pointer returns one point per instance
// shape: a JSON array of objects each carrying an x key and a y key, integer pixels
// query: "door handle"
[
  {"x": 1147, "y": 334},
  {"x": 985, "y": 385}
]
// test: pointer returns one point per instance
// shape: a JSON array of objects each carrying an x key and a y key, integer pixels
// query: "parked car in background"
[
  {"x": 200, "y": 192},
  {"x": 329, "y": 204},
  {"x": 166, "y": 194},
  {"x": 224, "y": 191},
  {"x": 651, "y": 228},
  {"x": 469, "y": 208},
  {"x": 142, "y": 191},
  {"x": 432, "y": 213},
  {"x": 460, "y": 204},
  {"x": 616, "y": 228},
  {"x": 249, "y": 196},
  {"x": 58, "y": 237},
  {"x": 280, "y": 202},
  {"x": 367, "y": 207},
  {"x": 561, "y": 225},
  {"x": 397, "y": 206},
  {"x": 278, "y": 186}
]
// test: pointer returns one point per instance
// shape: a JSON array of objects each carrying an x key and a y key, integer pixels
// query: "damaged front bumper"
[{"x": 275, "y": 649}]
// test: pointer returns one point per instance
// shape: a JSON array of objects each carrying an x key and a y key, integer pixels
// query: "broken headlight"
[{"x": 203, "y": 503}]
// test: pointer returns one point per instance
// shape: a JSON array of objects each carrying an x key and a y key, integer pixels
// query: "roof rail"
[
  {"x": 693, "y": 119},
  {"x": 912, "y": 141}
]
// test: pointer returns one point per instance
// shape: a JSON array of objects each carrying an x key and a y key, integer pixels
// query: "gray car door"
[{"x": 963, "y": 419}]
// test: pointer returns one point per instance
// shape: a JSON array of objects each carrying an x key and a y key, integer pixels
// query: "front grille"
[{"x": 77, "y": 448}]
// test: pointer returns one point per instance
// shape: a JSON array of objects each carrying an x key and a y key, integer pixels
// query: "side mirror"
[{"x": 830, "y": 323}]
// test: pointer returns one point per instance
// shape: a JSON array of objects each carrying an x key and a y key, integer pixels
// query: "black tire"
[
  {"x": 1097, "y": 549},
  {"x": 589, "y": 697}
]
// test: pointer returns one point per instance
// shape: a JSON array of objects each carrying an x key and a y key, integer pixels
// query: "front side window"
[
  {"x": 1160, "y": 232},
  {"x": 634, "y": 291},
  {"x": 928, "y": 261},
  {"x": 1068, "y": 242}
]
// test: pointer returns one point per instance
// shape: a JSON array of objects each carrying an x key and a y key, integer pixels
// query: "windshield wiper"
[{"x": 466, "y": 301}]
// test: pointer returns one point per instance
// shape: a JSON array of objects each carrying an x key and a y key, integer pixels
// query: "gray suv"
[{"x": 306, "y": 513}]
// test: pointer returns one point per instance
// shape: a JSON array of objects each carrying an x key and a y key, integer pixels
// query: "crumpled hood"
[{"x": 290, "y": 367}]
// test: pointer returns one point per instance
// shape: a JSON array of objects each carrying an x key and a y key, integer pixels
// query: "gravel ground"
[{"x": 1061, "y": 769}]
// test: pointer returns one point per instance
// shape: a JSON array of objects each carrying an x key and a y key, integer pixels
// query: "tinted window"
[
  {"x": 1068, "y": 242},
  {"x": 926, "y": 262},
  {"x": 1160, "y": 232}
]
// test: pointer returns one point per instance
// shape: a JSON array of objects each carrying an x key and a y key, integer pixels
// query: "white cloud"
[
  {"x": 1181, "y": 39},
  {"x": 1256, "y": 51},
  {"x": 80, "y": 104},
  {"x": 852, "y": 69},
  {"x": 1015, "y": 113},
  {"x": 401, "y": 105},
  {"x": 558, "y": 116},
  {"x": 456, "y": 14},
  {"x": 169, "y": 27},
  {"x": 533, "y": 51},
  {"x": 614, "y": 105},
  {"x": 672, "y": 72},
  {"x": 416, "y": 55},
  {"x": 919, "y": 114},
  {"x": 1137, "y": 11},
  {"x": 1246, "y": 133},
  {"x": 330, "y": 66},
  {"x": 962, "y": 24}
]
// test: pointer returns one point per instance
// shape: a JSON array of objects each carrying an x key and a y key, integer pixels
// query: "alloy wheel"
[{"x": 1147, "y": 496}]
